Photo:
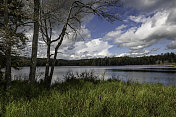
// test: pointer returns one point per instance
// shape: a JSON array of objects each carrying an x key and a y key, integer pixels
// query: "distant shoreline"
[{"x": 114, "y": 65}]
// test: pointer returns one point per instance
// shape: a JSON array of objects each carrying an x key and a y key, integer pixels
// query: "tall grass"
[{"x": 85, "y": 97}]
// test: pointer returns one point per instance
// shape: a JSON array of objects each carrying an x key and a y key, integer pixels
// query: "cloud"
[
  {"x": 121, "y": 27},
  {"x": 81, "y": 47},
  {"x": 172, "y": 45},
  {"x": 172, "y": 17},
  {"x": 154, "y": 49},
  {"x": 150, "y": 5},
  {"x": 138, "y": 19},
  {"x": 136, "y": 53},
  {"x": 87, "y": 49},
  {"x": 149, "y": 31}
]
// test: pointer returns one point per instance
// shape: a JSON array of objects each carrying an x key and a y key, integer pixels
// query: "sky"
[{"x": 145, "y": 27}]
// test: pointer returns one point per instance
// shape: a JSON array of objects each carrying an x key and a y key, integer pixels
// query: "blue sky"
[
  {"x": 146, "y": 27},
  {"x": 140, "y": 15},
  {"x": 100, "y": 27}
]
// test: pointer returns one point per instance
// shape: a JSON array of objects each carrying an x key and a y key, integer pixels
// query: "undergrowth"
[{"x": 85, "y": 97}]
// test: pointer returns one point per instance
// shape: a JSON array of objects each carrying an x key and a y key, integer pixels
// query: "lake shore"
[
  {"x": 88, "y": 97},
  {"x": 142, "y": 74},
  {"x": 164, "y": 65}
]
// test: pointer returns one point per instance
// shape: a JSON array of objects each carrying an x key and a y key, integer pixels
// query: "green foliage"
[
  {"x": 167, "y": 58},
  {"x": 17, "y": 19},
  {"x": 85, "y": 98}
]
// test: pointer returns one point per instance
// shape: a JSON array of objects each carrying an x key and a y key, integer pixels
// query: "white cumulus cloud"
[
  {"x": 87, "y": 49},
  {"x": 152, "y": 29}
]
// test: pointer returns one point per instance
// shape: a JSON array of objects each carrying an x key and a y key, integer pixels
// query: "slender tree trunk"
[
  {"x": 56, "y": 51},
  {"x": 47, "y": 63},
  {"x": 35, "y": 41},
  {"x": 8, "y": 64},
  {"x": 55, "y": 56},
  {"x": 8, "y": 43},
  {"x": 7, "y": 56}
]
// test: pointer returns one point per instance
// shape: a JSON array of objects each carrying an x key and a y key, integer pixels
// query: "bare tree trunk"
[
  {"x": 47, "y": 63},
  {"x": 35, "y": 41},
  {"x": 55, "y": 56},
  {"x": 8, "y": 64},
  {"x": 8, "y": 44}
]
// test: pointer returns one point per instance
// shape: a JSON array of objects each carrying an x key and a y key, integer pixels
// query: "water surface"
[{"x": 147, "y": 74}]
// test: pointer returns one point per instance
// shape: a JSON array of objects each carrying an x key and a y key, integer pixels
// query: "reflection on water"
[{"x": 153, "y": 74}]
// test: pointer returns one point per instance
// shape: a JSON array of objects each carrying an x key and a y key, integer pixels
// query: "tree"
[
  {"x": 11, "y": 18},
  {"x": 49, "y": 17},
  {"x": 8, "y": 42},
  {"x": 72, "y": 14},
  {"x": 35, "y": 41}
]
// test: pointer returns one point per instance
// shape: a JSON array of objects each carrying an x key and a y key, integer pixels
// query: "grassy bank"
[{"x": 88, "y": 98}]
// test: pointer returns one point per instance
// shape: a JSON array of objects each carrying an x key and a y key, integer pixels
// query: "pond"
[{"x": 147, "y": 74}]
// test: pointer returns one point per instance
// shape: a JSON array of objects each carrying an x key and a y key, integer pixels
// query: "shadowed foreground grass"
[{"x": 88, "y": 98}]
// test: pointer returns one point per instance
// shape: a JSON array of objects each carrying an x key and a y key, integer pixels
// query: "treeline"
[
  {"x": 167, "y": 58},
  {"x": 114, "y": 61}
]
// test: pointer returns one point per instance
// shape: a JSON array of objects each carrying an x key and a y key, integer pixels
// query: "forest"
[
  {"x": 167, "y": 58},
  {"x": 162, "y": 59}
]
